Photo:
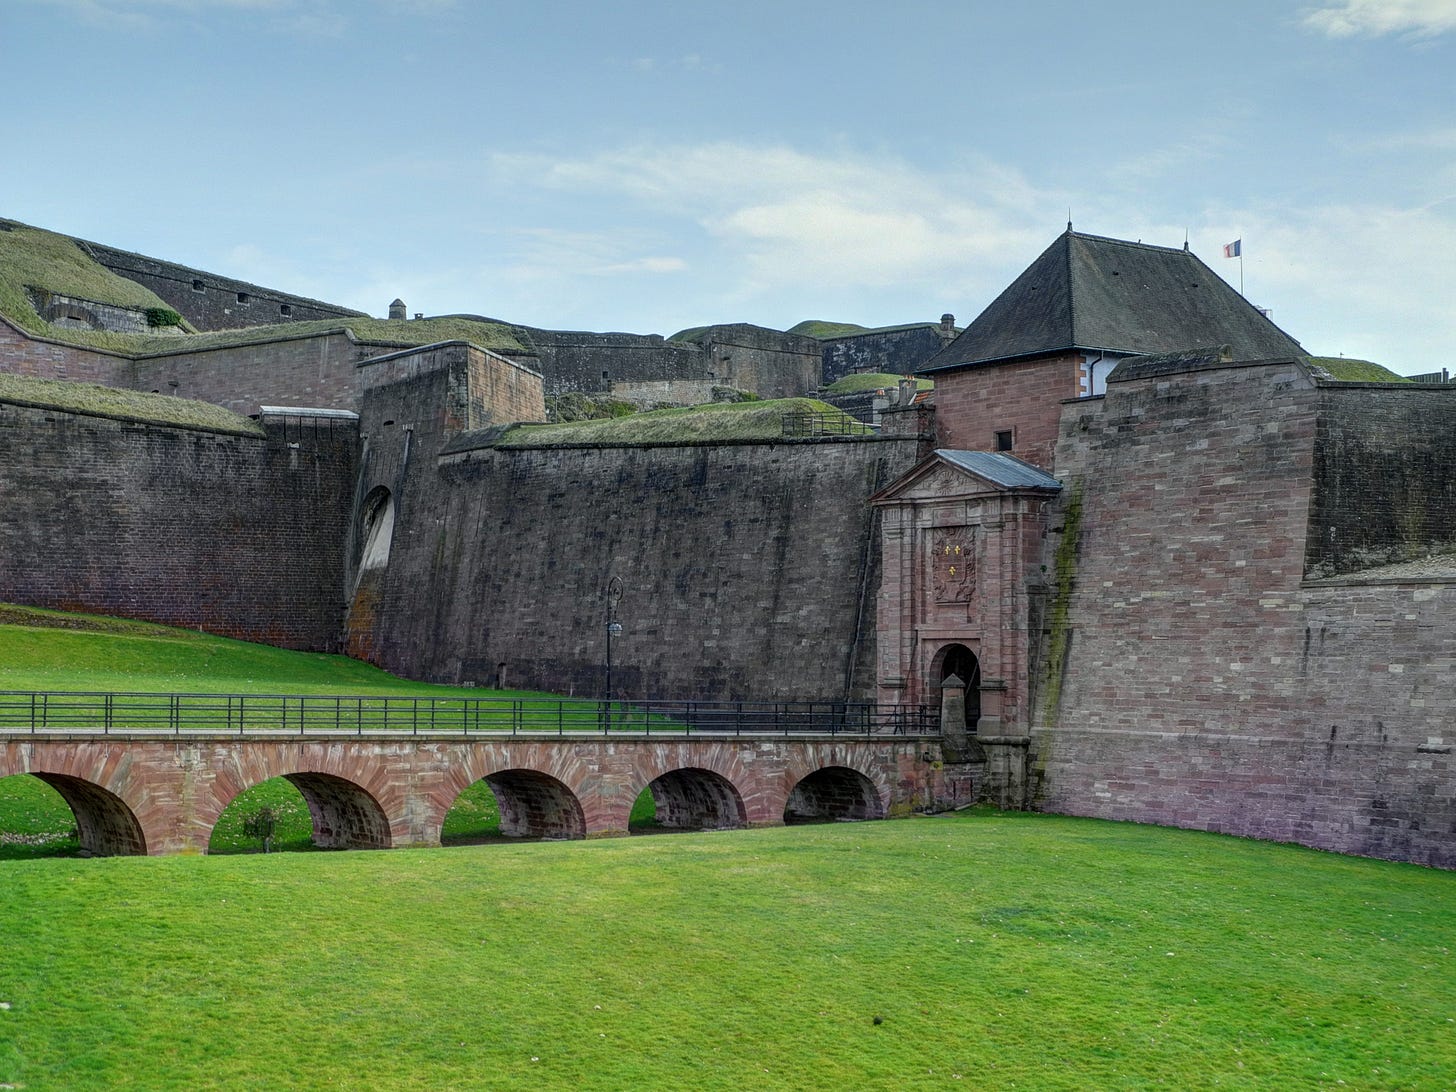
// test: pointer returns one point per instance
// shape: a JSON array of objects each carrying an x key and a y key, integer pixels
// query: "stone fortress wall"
[
  {"x": 746, "y": 568},
  {"x": 1211, "y": 678},
  {"x": 238, "y": 533},
  {"x": 209, "y": 301}
]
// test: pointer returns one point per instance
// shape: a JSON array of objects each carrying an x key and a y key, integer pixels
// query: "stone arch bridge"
[{"x": 150, "y": 795}]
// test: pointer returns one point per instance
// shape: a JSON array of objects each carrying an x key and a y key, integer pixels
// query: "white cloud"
[
  {"x": 651, "y": 264},
  {"x": 786, "y": 219},
  {"x": 1367, "y": 281},
  {"x": 1371, "y": 18}
]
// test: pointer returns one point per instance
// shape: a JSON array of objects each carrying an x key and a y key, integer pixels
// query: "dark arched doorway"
[{"x": 961, "y": 662}]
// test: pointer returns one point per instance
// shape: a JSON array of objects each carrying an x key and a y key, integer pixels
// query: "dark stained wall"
[
  {"x": 900, "y": 351},
  {"x": 747, "y": 569},
  {"x": 237, "y": 535},
  {"x": 1384, "y": 477},
  {"x": 210, "y": 301}
]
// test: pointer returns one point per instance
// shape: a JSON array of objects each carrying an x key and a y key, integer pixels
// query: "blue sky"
[{"x": 651, "y": 166}]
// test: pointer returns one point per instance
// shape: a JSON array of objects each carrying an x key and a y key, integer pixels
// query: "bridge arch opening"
[
  {"x": 345, "y": 815},
  {"x": 237, "y": 829},
  {"x": 474, "y": 817},
  {"x": 69, "y": 816},
  {"x": 691, "y": 798},
  {"x": 834, "y": 792},
  {"x": 341, "y": 814},
  {"x": 38, "y": 821},
  {"x": 528, "y": 804}
]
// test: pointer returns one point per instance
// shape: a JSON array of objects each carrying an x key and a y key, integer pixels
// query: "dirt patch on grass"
[{"x": 35, "y": 618}]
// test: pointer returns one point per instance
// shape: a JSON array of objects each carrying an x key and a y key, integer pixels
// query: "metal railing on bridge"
[{"x": 29, "y": 712}]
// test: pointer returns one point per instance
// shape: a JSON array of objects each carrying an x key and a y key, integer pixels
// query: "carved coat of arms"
[{"x": 953, "y": 564}]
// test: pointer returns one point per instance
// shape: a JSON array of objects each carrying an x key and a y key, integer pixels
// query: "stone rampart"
[
  {"x": 210, "y": 301},
  {"x": 1196, "y": 678},
  {"x": 900, "y": 350},
  {"x": 314, "y": 370},
  {"x": 767, "y": 362},
  {"x": 748, "y": 570},
  {"x": 23, "y": 354},
  {"x": 240, "y": 535}
]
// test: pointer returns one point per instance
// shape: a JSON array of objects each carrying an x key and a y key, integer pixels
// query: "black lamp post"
[{"x": 614, "y": 629}]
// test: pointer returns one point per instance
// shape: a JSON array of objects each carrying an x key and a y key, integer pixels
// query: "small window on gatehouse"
[
  {"x": 198, "y": 286},
  {"x": 1003, "y": 440},
  {"x": 243, "y": 297}
]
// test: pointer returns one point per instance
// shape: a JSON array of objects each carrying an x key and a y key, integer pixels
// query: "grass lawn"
[{"x": 999, "y": 951}]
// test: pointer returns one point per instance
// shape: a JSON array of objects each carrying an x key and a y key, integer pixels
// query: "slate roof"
[
  {"x": 1087, "y": 292},
  {"x": 1001, "y": 469}
]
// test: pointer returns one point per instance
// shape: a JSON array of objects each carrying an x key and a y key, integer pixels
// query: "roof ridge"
[
  {"x": 1071, "y": 290},
  {"x": 1138, "y": 244}
]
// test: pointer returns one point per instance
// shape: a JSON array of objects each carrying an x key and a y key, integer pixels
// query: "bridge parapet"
[
  {"x": 144, "y": 792},
  {"x": 34, "y": 713}
]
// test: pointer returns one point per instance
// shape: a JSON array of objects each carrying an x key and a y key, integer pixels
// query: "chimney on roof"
[
  {"x": 397, "y": 310},
  {"x": 947, "y": 327}
]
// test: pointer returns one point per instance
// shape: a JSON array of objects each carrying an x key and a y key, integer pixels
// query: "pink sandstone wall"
[
  {"x": 1205, "y": 683},
  {"x": 973, "y": 404},
  {"x": 21, "y": 354}
]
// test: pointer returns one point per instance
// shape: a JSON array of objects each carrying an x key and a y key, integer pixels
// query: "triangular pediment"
[{"x": 945, "y": 474}]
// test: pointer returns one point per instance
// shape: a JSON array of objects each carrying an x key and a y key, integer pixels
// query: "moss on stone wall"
[
  {"x": 32, "y": 258},
  {"x": 1064, "y": 580},
  {"x": 716, "y": 421},
  {"x": 98, "y": 401},
  {"x": 1347, "y": 370}
]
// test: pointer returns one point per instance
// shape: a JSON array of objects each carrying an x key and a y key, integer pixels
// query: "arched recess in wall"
[
  {"x": 376, "y": 533},
  {"x": 514, "y": 804},
  {"x": 960, "y": 661},
  {"x": 692, "y": 798},
  {"x": 376, "y": 529},
  {"x": 105, "y": 825},
  {"x": 834, "y": 792}
]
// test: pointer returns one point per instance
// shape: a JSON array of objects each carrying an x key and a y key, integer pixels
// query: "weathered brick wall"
[
  {"x": 238, "y": 535},
  {"x": 21, "y": 354},
  {"x": 900, "y": 351},
  {"x": 573, "y": 360},
  {"x": 748, "y": 570},
  {"x": 973, "y": 404},
  {"x": 1204, "y": 684},
  {"x": 454, "y": 386},
  {"x": 209, "y": 301},
  {"x": 768, "y": 362},
  {"x": 318, "y": 371},
  {"x": 1385, "y": 477}
]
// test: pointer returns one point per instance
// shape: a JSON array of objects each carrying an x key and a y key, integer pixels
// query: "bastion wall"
[
  {"x": 1200, "y": 678},
  {"x": 747, "y": 570},
  {"x": 236, "y": 533}
]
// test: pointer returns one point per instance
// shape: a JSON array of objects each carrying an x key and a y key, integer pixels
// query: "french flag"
[{"x": 1234, "y": 249}]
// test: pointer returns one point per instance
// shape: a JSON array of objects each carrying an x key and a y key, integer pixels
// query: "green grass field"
[
  {"x": 978, "y": 950},
  {"x": 1000, "y": 951}
]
